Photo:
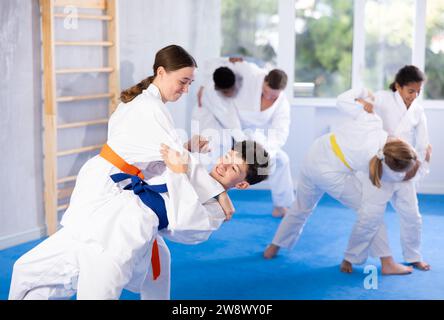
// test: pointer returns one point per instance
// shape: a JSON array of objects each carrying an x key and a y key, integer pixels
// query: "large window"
[
  {"x": 434, "y": 60},
  {"x": 324, "y": 41},
  {"x": 329, "y": 46},
  {"x": 250, "y": 29},
  {"x": 388, "y": 40}
]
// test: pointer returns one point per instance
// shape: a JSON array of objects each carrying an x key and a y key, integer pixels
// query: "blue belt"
[{"x": 149, "y": 194}]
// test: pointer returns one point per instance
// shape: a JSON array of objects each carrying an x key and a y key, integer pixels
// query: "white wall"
[
  {"x": 145, "y": 27},
  {"x": 20, "y": 123}
]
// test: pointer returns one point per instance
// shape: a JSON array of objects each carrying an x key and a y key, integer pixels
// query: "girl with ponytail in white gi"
[
  {"x": 331, "y": 166},
  {"x": 403, "y": 117},
  {"x": 110, "y": 238}
]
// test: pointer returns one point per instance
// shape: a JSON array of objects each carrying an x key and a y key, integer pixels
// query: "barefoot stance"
[
  {"x": 421, "y": 265},
  {"x": 390, "y": 267},
  {"x": 346, "y": 267},
  {"x": 271, "y": 251}
]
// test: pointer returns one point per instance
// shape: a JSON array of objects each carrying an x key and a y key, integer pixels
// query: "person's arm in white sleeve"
[
  {"x": 350, "y": 101},
  {"x": 204, "y": 185},
  {"x": 191, "y": 218},
  {"x": 421, "y": 137},
  {"x": 247, "y": 69},
  {"x": 423, "y": 147},
  {"x": 190, "y": 221},
  {"x": 276, "y": 135},
  {"x": 223, "y": 112},
  {"x": 206, "y": 120},
  {"x": 280, "y": 124}
]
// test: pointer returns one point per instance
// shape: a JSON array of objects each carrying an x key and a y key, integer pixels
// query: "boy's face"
[{"x": 231, "y": 171}]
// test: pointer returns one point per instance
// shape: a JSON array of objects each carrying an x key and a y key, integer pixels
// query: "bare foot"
[
  {"x": 421, "y": 265},
  {"x": 346, "y": 266},
  {"x": 279, "y": 212},
  {"x": 271, "y": 251},
  {"x": 390, "y": 267}
]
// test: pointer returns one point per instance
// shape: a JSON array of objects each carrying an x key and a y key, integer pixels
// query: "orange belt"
[{"x": 108, "y": 154}]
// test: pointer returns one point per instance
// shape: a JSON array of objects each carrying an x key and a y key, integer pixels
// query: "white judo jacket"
[
  {"x": 242, "y": 113},
  {"x": 116, "y": 220},
  {"x": 408, "y": 124},
  {"x": 269, "y": 127}
]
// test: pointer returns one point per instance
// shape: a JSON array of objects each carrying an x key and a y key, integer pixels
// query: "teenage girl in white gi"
[
  {"x": 402, "y": 117},
  {"x": 109, "y": 236},
  {"x": 330, "y": 166}
]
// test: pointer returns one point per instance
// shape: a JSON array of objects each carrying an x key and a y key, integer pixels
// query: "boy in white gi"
[
  {"x": 330, "y": 166},
  {"x": 247, "y": 111},
  {"x": 403, "y": 117}
]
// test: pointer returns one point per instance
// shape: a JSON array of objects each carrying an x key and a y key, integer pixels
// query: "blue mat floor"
[{"x": 230, "y": 264}]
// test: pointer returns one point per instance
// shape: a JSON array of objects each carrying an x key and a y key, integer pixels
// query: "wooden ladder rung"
[
  {"x": 82, "y": 124},
  {"x": 63, "y": 207},
  {"x": 89, "y": 4},
  {"x": 87, "y": 97},
  {"x": 84, "y": 16},
  {"x": 66, "y": 179},
  {"x": 84, "y": 43},
  {"x": 78, "y": 150},
  {"x": 84, "y": 70},
  {"x": 64, "y": 193}
]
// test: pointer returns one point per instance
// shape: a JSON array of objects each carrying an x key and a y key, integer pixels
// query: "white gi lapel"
[{"x": 407, "y": 120}]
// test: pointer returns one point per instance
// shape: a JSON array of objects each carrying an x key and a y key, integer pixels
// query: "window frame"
[{"x": 288, "y": 48}]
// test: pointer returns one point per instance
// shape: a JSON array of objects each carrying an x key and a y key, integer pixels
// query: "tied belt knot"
[{"x": 149, "y": 194}]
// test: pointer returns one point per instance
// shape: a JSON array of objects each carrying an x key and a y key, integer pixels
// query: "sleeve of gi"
[
  {"x": 347, "y": 104},
  {"x": 421, "y": 143},
  {"x": 280, "y": 124},
  {"x": 190, "y": 221}
]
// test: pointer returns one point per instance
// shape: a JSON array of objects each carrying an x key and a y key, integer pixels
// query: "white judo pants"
[
  {"x": 307, "y": 198},
  {"x": 319, "y": 174},
  {"x": 402, "y": 196},
  {"x": 281, "y": 181},
  {"x": 62, "y": 266}
]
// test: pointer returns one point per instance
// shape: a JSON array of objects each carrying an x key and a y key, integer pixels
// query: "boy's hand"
[
  {"x": 235, "y": 59},
  {"x": 367, "y": 105},
  {"x": 198, "y": 144},
  {"x": 226, "y": 204},
  {"x": 175, "y": 161}
]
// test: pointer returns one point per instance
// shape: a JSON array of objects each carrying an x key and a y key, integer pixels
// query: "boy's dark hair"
[
  {"x": 224, "y": 78},
  {"x": 257, "y": 160},
  {"x": 276, "y": 79},
  {"x": 406, "y": 75}
]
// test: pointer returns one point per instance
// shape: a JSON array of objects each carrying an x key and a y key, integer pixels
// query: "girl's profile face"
[{"x": 409, "y": 92}]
